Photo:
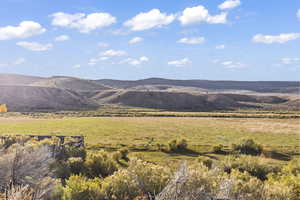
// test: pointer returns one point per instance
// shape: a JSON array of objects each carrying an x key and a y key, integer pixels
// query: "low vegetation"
[{"x": 43, "y": 171}]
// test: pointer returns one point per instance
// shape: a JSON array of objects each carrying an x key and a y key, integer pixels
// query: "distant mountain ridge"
[
  {"x": 256, "y": 86},
  {"x": 31, "y": 93}
]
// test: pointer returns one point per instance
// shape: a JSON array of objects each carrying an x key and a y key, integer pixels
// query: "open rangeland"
[{"x": 140, "y": 133}]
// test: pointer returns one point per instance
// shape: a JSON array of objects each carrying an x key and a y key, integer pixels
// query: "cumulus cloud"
[
  {"x": 83, "y": 22},
  {"x": 62, "y": 38},
  {"x": 24, "y": 30},
  {"x": 290, "y": 61},
  {"x": 93, "y": 61},
  {"x": 221, "y": 46},
  {"x": 133, "y": 61},
  {"x": 269, "y": 39},
  {"x": 180, "y": 63},
  {"x": 112, "y": 52},
  {"x": 152, "y": 19},
  {"x": 233, "y": 65},
  {"x": 103, "y": 44},
  {"x": 229, "y": 4},
  {"x": 199, "y": 14},
  {"x": 298, "y": 14},
  {"x": 35, "y": 46},
  {"x": 194, "y": 40},
  {"x": 135, "y": 40},
  {"x": 76, "y": 66},
  {"x": 144, "y": 59}
]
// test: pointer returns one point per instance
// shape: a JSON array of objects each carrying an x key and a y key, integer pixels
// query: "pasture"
[{"x": 142, "y": 134}]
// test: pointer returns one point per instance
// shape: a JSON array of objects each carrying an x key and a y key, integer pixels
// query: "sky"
[{"x": 135, "y": 39}]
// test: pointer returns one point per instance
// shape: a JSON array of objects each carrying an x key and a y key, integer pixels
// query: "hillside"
[
  {"x": 29, "y": 93},
  {"x": 70, "y": 83},
  {"x": 28, "y": 98},
  {"x": 14, "y": 79},
  {"x": 190, "y": 102},
  {"x": 256, "y": 86}
]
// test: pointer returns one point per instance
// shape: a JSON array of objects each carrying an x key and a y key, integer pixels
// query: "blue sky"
[{"x": 135, "y": 39}]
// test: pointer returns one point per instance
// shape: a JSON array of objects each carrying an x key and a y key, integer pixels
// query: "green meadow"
[{"x": 142, "y": 134}]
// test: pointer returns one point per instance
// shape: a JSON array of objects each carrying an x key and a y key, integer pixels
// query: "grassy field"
[{"x": 138, "y": 132}]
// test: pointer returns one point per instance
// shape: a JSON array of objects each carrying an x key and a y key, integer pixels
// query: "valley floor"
[{"x": 142, "y": 134}]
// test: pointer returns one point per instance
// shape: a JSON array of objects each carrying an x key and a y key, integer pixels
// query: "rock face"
[{"x": 28, "y": 98}]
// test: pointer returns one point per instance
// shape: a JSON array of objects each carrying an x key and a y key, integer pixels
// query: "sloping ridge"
[
  {"x": 189, "y": 102},
  {"x": 29, "y": 98},
  {"x": 257, "y": 86},
  {"x": 14, "y": 79},
  {"x": 173, "y": 101},
  {"x": 70, "y": 83}
]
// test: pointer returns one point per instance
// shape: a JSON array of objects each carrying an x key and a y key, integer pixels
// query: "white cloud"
[
  {"x": 180, "y": 63},
  {"x": 144, "y": 59},
  {"x": 135, "y": 40},
  {"x": 104, "y": 58},
  {"x": 134, "y": 62},
  {"x": 112, "y": 52},
  {"x": 290, "y": 61},
  {"x": 19, "y": 61},
  {"x": 34, "y": 46},
  {"x": 76, "y": 66},
  {"x": 103, "y": 44},
  {"x": 152, "y": 19},
  {"x": 24, "y": 30},
  {"x": 62, "y": 38},
  {"x": 269, "y": 39},
  {"x": 229, "y": 4},
  {"x": 221, "y": 46},
  {"x": 93, "y": 61},
  {"x": 84, "y": 23},
  {"x": 298, "y": 14},
  {"x": 194, "y": 40},
  {"x": 200, "y": 14},
  {"x": 233, "y": 65}
]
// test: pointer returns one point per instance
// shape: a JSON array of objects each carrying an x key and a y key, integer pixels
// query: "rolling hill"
[
  {"x": 29, "y": 93},
  {"x": 256, "y": 86},
  {"x": 28, "y": 98}
]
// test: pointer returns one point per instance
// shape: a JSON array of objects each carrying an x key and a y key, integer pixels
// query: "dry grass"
[{"x": 129, "y": 130}]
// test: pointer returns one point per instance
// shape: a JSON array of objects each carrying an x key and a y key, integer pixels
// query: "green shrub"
[
  {"x": 218, "y": 149},
  {"x": 124, "y": 153},
  {"x": 286, "y": 183},
  {"x": 172, "y": 145},
  {"x": 292, "y": 168},
  {"x": 76, "y": 165},
  {"x": 244, "y": 186},
  {"x": 61, "y": 169},
  {"x": 205, "y": 161},
  {"x": 80, "y": 188},
  {"x": 138, "y": 179},
  {"x": 256, "y": 166},
  {"x": 182, "y": 144},
  {"x": 177, "y": 145},
  {"x": 75, "y": 152},
  {"x": 120, "y": 185},
  {"x": 100, "y": 164},
  {"x": 283, "y": 186},
  {"x": 248, "y": 146}
]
